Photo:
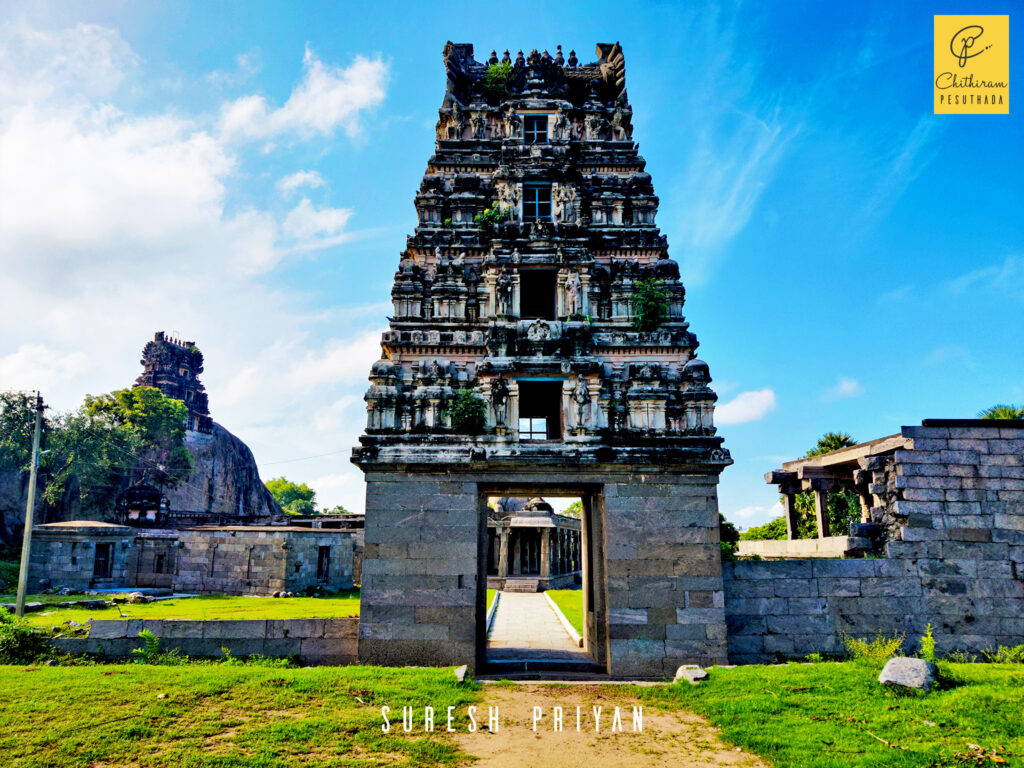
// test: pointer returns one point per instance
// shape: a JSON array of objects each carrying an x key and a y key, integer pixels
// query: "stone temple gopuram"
[{"x": 536, "y": 230}]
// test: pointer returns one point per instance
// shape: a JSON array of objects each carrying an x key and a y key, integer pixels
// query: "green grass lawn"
[
  {"x": 55, "y": 599},
  {"x": 228, "y": 716},
  {"x": 836, "y": 714},
  {"x": 571, "y": 603},
  {"x": 213, "y": 607},
  {"x": 490, "y": 598}
]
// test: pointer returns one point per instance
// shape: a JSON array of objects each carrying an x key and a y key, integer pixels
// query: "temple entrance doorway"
[{"x": 545, "y": 581}]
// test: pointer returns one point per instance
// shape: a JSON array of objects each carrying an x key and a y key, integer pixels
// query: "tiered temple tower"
[
  {"x": 536, "y": 230},
  {"x": 173, "y": 367}
]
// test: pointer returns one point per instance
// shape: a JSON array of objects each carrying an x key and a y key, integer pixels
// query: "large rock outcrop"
[{"x": 224, "y": 480}]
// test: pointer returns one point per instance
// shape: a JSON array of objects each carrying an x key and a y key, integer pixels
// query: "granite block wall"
[
  {"x": 422, "y": 559},
  {"x": 65, "y": 555},
  {"x": 955, "y": 504},
  {"x": 666, "y": 604}
]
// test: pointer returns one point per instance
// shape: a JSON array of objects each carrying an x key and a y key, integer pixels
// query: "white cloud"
[
  {"x": 306, "y": 222},
  {"x": 294, "y": 181},
  {"x": 1006, "y": 278},
  {"x": 36, "y": 366},
  {"x": 843, "y": 388},
  {"x": 82, "y": 62},
  {"x": 755, "y": 515},
  {"x": 327, "y": 98},
  {"x": 115, "y": 225},
  {"x": 746, "y": 406}
]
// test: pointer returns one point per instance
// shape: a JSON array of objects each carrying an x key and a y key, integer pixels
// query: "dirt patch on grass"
[{"x": 676, "y": 739}]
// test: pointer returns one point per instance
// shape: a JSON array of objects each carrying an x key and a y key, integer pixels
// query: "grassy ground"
[
  {"x": 213, "y": 607},
  {"x": 490, "y": 598},
  {"x": 836, "y": 714},
  {"x": 55, "y": 599},
  {"x": 219, "y": 715},
  {"x": 571, "y": 603}
]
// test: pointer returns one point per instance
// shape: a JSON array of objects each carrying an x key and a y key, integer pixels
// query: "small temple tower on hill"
[
  {"x": 173, "y": 367},
  {"x": 518, "y": 362}
]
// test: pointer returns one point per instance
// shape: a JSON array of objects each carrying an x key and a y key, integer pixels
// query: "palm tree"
[
  {"x": 831, "y": 441},
  {"x": 1003, "y": 412}
]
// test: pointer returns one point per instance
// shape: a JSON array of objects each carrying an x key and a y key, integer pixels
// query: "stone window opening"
[
  {"x": 540, "y": 412},
  {"x": 536, "y": 202},
  {"x": 323, "y": 563},
  {"x": 103, "y": 566},
  {"x": 535, "y": 129},
  {"x": 537, "y": 290}
]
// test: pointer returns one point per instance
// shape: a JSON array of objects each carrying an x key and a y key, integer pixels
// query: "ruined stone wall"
[
  {"x": 956, "y": 501},
  {"x": 260, "y": 561}
]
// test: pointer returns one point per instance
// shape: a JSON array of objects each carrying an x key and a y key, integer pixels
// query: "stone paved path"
[{"x": 525, "y": 627}]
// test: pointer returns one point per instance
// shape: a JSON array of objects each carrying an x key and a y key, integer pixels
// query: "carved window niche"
[
  {"x": 536, "y": 202},
  {"x": 535, "y": 129}
]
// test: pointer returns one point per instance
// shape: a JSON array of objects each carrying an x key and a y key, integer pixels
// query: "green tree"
[
  {"x": 775, "y": 529},
  {"x": 650, "y": 304},
  {"x": 574, "y": 510},
  {"x": 17, "y": 422},
  {"x": 1003, "y": 412},
  {"x": 338, "y": 509},
  {"x": 294, "y": 498},
  {"x": 728, "y": 537},
  {"x": 831, "y": 441},
  {"x": 112, "y": 441}
]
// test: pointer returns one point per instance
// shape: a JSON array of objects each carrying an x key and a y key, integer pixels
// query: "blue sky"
[{"x": 243, "y": 173}]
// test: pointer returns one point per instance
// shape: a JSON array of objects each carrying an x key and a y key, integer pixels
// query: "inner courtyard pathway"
[{"x": 525, "y": 627}]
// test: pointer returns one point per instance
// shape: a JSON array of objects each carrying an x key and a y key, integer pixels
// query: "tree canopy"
[
  {"x": 1003, "y": 412},
  {"x": 294, "y": 498}
]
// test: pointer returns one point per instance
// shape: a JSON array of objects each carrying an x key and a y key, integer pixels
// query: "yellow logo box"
[{"x": 972, "y": 65}]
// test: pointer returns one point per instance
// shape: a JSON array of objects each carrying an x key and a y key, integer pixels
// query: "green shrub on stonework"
[
  {"x": 650, "y": 304},
  {"x": 1005, "y": 654},
  {"x": 496, "y": 80},
  {"x": 879, "y": 650},
  {"x": 492, "y": 216},
  {"x": 20, "y": 643},
  {"x": 468, "y": 412},
  {"x": 152, "y": 653},
  {"x": 928, "y": 645}
]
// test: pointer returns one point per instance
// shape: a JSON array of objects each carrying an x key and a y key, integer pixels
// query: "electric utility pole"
[{"x": 26, "y": 543}]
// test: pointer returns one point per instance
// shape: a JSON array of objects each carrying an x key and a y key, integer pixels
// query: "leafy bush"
[
  {"x": 776, "y": 529},
  {"x": 815, "y": 658},
  {"x": 491, "y": 216},
  {"x": 19, "y": 643},
  {"x": 928, "y": 645},
  {"x": 496, "y": 80},
  {"x": 1005, "y": 654},
  {"x": 880, "y": 649},
  {"x": 728, "y": 536},
  {"x": 650, "y": 304},
  {"x": 152, "y": 653},
  {"x": 468, "y": 412}
]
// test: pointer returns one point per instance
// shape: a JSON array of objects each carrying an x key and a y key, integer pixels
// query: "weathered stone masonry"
[{"x": 954, "y": 504}]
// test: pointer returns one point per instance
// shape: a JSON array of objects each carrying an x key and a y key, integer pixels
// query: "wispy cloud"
[
  {"x": 294, "y": 181},
  {"x": 746, "y": 406},
  {"x": 843, "y": 388},
  {"x": 1006, "y": 278},
  {"x": 900, "y": 170}
]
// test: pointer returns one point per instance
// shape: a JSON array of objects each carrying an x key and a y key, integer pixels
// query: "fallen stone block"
[
  {"x": 460, "y": 673},
  {"x": 691, "y": 673},
  {"x": 906, "y": 672}
]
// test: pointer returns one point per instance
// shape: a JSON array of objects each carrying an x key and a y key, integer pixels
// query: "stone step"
[
  {"x": 547, "y": 667},
  {"x": 521, "y": 585}
]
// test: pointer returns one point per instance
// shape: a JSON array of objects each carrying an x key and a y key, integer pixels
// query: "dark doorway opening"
[
  {"x": 103, "y": 566},
  {"x": 540, "y": 410},
  {"x": 537, "y": 294}
]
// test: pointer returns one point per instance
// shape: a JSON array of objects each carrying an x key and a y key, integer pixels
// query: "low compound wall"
[
  {"x": 955, "y": 504},
  {"x": 312, "y": 641}
]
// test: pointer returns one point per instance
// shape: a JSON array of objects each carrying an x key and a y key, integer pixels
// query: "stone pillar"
[
  {"x": 545, "y": 553},
  {"x": 517, "y": 559},
  {"x": 789, "y": 511},
  {"x": 503, "y": 553},
  {"x": 821, "y": 508}
]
